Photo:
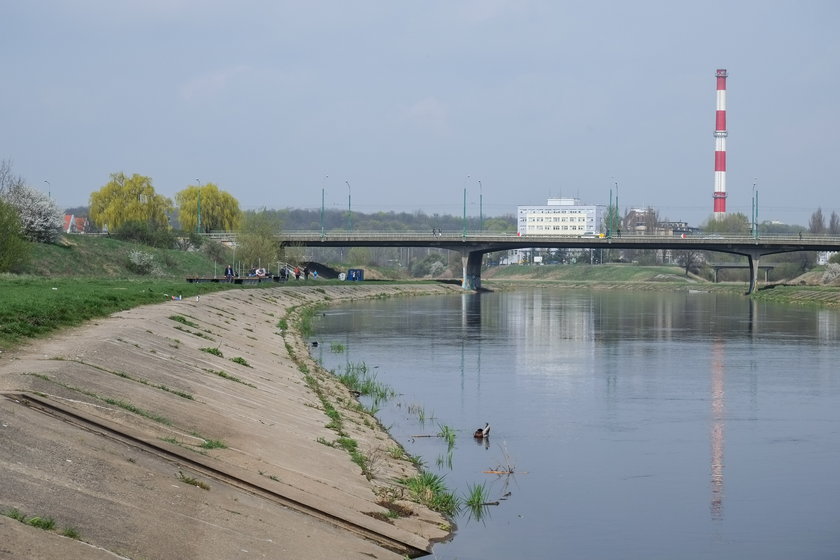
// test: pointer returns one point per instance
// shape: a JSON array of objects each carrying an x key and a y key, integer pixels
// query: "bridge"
[{"x": 472, "y": 246}]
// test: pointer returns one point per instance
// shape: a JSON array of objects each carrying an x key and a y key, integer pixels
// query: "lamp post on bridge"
[
  {"x": 198, "y": 205},
  {"x": 755, "y": 209},
  {"x": 322, "y": 203},
  {"x": 349, "y": 209},
  {"x": 480, "y": 208}
]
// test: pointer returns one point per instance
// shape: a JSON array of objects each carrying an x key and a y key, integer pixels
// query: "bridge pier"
[
  {"x": 471, "y": 265},
  {"x": 752, "y": 257}
]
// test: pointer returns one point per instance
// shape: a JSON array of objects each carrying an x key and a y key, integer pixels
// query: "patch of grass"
[
  {"x": 15, "y": 514},
  {"x": 46, "y": 523},
  {"x": 113, "y": 402},
  {"x": 72, "y": 533},
  {"x": 448, "y": 434},
  {"x": 241, "y": 361},
  {"x": 429, "y": 489},
  {"x": 358, "y": 378},
  {"x": 225, "y": 375},
  {"x": 214, "y": 351},
  {"x": 213, "y": 444},
  {"x": 184, "y": 320},
  {"x": 35, "y": 306},
  {"x": 193, "y": 481},
  {"x": 196, "y": 333},
  {"x": 336, "y": 347}
]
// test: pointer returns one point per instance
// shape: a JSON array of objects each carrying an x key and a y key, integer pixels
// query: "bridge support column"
[
  {"x": 753, "y": 262},
  {"x": 471, "y": 264}
]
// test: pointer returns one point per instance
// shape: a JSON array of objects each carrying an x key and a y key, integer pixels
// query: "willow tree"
[
  {"x": 257, "y": 243},
  {"x": 129, "y": 199},
  {"x": 217, "y": 210}
]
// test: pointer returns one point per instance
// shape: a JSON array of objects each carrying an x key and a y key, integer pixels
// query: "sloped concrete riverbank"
[{"x": 198, "y": 429}]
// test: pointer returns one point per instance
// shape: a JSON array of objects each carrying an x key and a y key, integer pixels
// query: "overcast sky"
[{"x": 411, "y": 102}]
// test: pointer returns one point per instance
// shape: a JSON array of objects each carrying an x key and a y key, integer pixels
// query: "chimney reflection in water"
[{"x": 717, "y": 429}]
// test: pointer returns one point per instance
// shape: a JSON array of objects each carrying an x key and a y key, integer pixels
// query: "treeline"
[{"x": 291, "y": 219}]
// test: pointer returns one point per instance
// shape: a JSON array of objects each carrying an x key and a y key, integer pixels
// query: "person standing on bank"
[{"x": 228, "y": 272}]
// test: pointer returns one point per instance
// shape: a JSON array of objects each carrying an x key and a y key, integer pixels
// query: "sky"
[{"x": 401, "y": 106}]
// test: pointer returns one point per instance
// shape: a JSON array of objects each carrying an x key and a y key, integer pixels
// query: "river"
[{"x": 634, "y": 425}]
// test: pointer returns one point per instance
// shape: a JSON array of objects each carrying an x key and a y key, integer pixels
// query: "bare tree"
[
  {"x": 817, "y": 222},
  {"x": 834, "y": 224},
  {"x": 8, "y": 179}
]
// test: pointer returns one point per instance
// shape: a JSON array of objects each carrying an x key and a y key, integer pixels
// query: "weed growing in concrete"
[
  {"x": 230, "y": 377},
  {"x": 214, "y": 351},
  {"x": 241, "y": 361},
  {"x": 213, "y": 444},
  {"x": 194, "y": 481},
  {"x": 183, "y": 320}
]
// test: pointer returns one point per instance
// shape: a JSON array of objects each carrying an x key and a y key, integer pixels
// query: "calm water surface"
[{"x": 638, "y": 425}]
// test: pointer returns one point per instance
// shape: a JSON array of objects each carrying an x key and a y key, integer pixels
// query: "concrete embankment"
[{"x": 198, "y": 429}]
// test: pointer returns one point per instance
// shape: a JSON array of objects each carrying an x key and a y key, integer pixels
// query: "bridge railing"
[{"x": 477, "y": 236}]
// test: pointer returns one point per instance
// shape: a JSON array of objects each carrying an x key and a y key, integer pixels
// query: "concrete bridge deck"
[{"x": 472, "y": 245}]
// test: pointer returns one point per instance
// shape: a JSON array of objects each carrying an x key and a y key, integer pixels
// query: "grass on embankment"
[
  {"x": 101, "y": 256},
  {"x": 588, "y": 273},
  {"x": 83, "y": 277},
  {"x": 31, "y": 307}
]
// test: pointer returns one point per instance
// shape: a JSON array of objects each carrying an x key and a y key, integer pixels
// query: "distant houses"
[{"x": 76, "y": 224}]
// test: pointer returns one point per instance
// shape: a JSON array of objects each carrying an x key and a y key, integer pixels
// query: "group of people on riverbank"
[{"x": 285, "y": 273}]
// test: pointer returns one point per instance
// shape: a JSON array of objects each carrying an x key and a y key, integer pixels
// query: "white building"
[{"x": 561, "y": 216}]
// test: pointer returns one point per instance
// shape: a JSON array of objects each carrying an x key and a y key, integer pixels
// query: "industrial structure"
[
  {"x": 720, "y": 146},
  {"x": 560, "y": 216}
]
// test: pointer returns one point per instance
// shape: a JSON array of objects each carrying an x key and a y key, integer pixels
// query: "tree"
[
  {"x": 7, "y": 177},
  {"x": 834, "y": 224},
  {"x": 219, "y": 209},
  {"x": 730, "y": 223},
  {"x": 817, "y": 222},
  {"x": 40, "y": 218},
  {"x": 257, "y": 244},
  {"x": 129, "y": 199},
  {"x": 691, "y": 260},
  {"x": 13, "y": 248}
]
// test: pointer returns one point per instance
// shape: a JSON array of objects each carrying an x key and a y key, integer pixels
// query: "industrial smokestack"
[{"x": 720, "y": 146}]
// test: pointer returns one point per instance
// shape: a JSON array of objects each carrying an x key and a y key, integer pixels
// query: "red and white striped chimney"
[{"x": 720, "y": 146}]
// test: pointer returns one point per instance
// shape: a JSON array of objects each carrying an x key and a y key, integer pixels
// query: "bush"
[
  {"x": 141, "y": 262},
  {"x": 145, "y": 233},
  {"x": 14, "y": 251}
]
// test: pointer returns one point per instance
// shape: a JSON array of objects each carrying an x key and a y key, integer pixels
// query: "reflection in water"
[
  {"x": 612, "y": 402},
  {"x": 717, "y": 431}
]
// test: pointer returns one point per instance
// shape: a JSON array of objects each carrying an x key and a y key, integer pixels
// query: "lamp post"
[
  {"x": 49, "y": 189},
  {"x": 480, "y": 208},
  {"x": 617, "y": 226},
  {"x": 755, "y": 209},
  {"x": 349, "y": 209},
  {"x": 322, "y": 204},
  {"x": 198, "y": 205}
]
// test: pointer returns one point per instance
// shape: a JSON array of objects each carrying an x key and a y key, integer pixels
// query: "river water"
[{"x": 636, "y": 425}]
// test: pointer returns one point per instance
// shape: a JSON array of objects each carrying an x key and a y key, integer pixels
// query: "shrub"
[
  {"x": 14, "y": 250},
  {"x": 141, "y": 262}
]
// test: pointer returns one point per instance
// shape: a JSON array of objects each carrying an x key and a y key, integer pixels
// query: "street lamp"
[
  {"x": 49, "y": 188},
  {"x": 480, "y": 208},
  {"x": 198, "y": 225},
  {"x": 322, "y": 203},
  {"x": 755, "y": 208},
  {"x": 349, "y": 209}
]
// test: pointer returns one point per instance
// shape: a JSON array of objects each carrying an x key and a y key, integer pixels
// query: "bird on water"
[{"x": 484, "y": 432}]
